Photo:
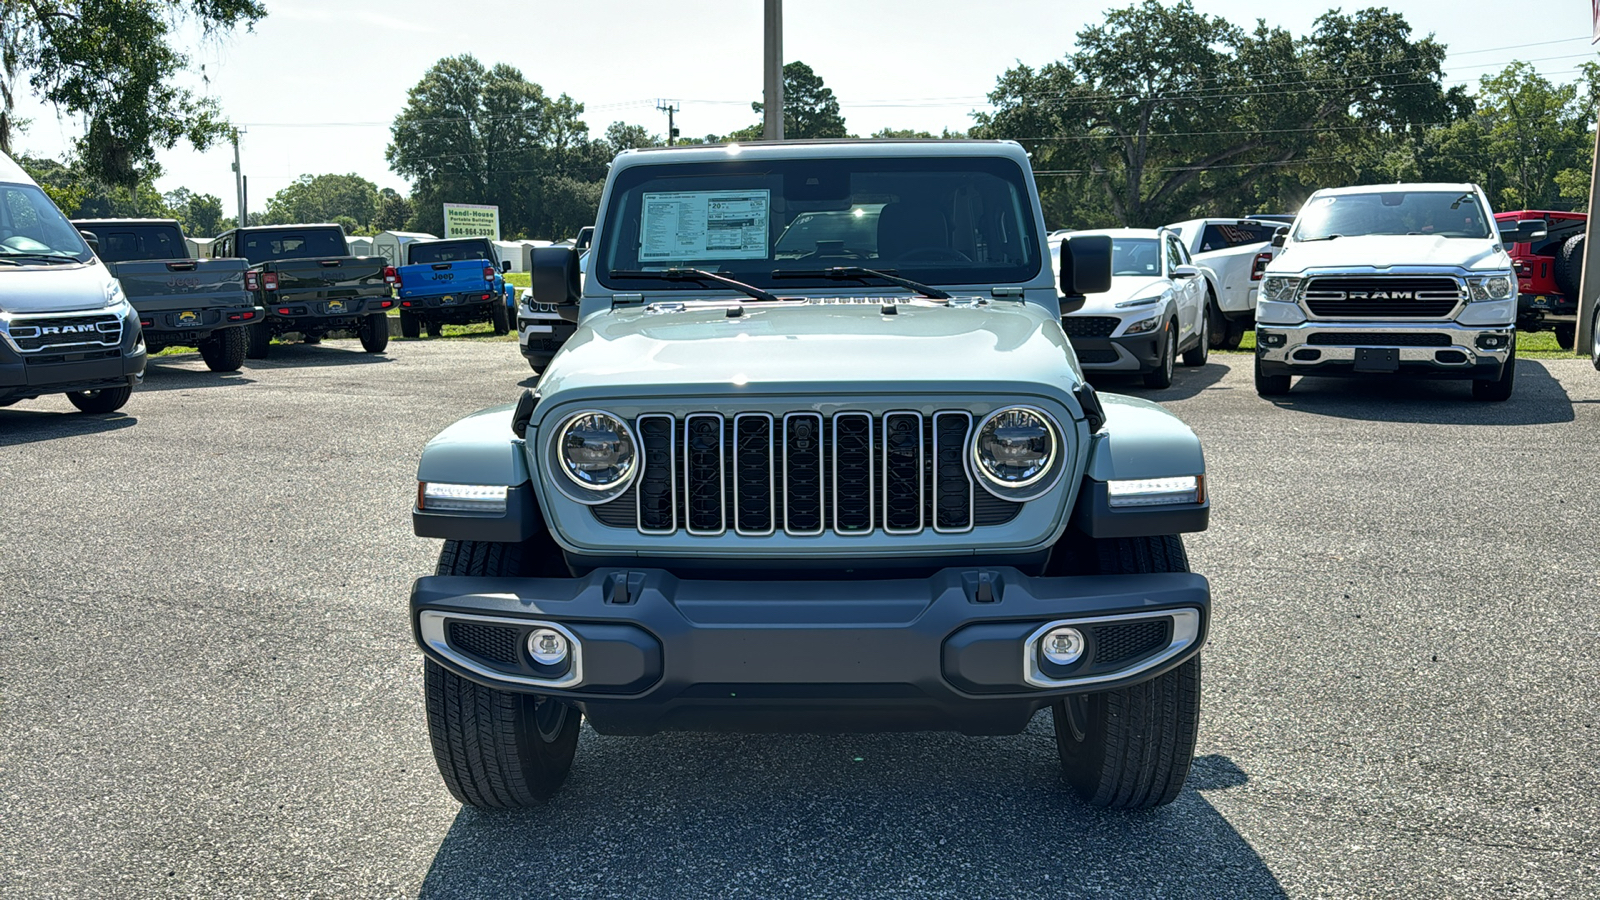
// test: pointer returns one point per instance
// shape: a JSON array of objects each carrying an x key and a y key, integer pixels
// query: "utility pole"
[
  {"x": 670, "y": 108},
  {"x": 772, "y": 93},
  {"x": 1589, "y": 283},
  {"x": 238, "y": 176}
]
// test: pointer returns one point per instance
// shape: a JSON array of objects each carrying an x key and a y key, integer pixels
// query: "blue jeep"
[{"x": 452, "y": 282}]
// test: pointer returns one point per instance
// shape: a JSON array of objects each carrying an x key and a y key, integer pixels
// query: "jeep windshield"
[
  {"x": 1451, "y": 214},
  {"x": 787, "y": 223}
]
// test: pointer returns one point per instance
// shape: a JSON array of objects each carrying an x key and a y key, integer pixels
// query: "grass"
[
  {"x": 1536, "y": 345},
  {"x": 520, "y": 279}
]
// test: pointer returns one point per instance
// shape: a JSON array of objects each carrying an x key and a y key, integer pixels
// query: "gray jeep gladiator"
[
  {"x": 182, "y": 301},
  {"x": 860, "y": 485}
]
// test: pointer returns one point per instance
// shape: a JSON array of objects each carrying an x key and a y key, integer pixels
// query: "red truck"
[{"x": 1548, "y": 272}]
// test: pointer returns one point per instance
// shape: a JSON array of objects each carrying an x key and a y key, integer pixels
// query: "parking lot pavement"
[{"x": 209, "y": 687}]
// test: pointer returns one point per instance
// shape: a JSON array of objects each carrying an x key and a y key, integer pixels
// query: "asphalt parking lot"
[{"x": 209, "y": 687}]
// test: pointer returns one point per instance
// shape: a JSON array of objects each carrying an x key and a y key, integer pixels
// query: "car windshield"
[
  {"x": 949, "y": 220},
  {"x": 1453, "y": 214},
  {"x": 31, "y": 226}
]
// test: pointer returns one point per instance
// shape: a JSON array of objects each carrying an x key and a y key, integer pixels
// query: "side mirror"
[
  {"x": 92, "y": 239},
  {"x": 1522, "y": 230},
  {"x": 556, "y": 279},
  {"x": 1281, "y": 238},
  {"x": 1185, "y": 271},
  {"x": 505, "y": 265},
  {"x": 1085, "y": 265},
  {"x": 584, "y": 239}
]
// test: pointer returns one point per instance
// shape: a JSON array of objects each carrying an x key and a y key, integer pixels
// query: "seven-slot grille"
[
  {"x": 1383, "y": 296},
  {"x": 851, "y": 473},
  {"x": 32, "y": 335}
]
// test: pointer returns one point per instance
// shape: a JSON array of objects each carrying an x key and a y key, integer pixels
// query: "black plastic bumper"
[
  {"x": 24, "y": 376},
  {"x": 324, "y": 315},
  {"x": 187, "y": 328},
  {"x": 659, "y": 653},
  {"x": 1144, "y": 348}
]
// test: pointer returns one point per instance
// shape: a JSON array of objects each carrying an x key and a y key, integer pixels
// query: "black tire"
[
  {"x": 260, "y": 340},
  {"x": 1270, "y": 385},
  {"x": 1594, "y": 340},
  {"x": 435, "y": 328},
  {"x": 410, "y": 325},
  {"x": 1500, "y": 388},
  {"x": 223, "y": 351},
  {"x": 1162, "y": 376},
  {"x": 1235, "y": 335},
  {"x": 1131, "y": 748},
  {"x": 1566, "y": 335},
  {"x": 497, "y": 749},
  {"x": 104, "y": 400},
  {"x": 1218, "y": 325},
  {"x": 374, "y": 332},
  {"x": 500, "y": 318},
  {"x": 1569, "y": 265},
  {"x": 152, "y": 348},
  {"x": 310, "y": 339},
  {"x": 1201, "y": 351}
]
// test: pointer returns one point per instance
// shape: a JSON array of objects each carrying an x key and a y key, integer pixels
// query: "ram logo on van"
[{"x": 88, "y": 328}]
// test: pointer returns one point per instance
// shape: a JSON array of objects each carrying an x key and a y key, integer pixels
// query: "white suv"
[
  {"x": 1154, "y": 311},
  {"x": 1386, "y": 280}
]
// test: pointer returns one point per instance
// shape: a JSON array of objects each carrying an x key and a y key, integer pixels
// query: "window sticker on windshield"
[{"x": 705, "y": 225}]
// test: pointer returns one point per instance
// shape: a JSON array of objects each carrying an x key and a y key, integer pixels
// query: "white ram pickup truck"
[
  {"x": 1232, "y": 253},
  {"x": 1391, "y": 280}
]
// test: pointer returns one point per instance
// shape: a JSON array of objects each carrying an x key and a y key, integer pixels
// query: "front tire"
[
  {"x": 1162, "y": 376},
  {"x": 104, "y": 400},
  {"x": 1270, "y": 385},
  {"x": 374, "y": 332},
  {"x": 1566, "y": 336},
  {"x": 1594, "y": 340},
  {"x": 1500, "y": 388},
  {"x": 224, "y": 350},
  {"x": 497, "y": 749},
  {"x": 1131, "y": 748},
  {"x": 1201, "y": 351}
]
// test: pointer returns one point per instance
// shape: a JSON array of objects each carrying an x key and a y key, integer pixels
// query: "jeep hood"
[
  {"x": 53, "y": 288},
  {"x": 1388, "y": 251},
  {"x": 812, "y": 346}
]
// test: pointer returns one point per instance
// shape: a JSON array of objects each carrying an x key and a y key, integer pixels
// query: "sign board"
[{"x": 467, "y": 220}]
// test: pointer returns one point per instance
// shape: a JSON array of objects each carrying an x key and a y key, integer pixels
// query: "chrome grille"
[
  {"x": 41, "y": 333},
  {"x": 850, "y": 473},
  {"x": 1382, "y": 296}
]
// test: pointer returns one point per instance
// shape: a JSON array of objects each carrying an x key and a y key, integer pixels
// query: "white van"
[{"x": 65, "y": 326}]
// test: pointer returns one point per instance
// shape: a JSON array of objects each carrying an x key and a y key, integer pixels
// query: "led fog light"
[
  {"x": 548, "y": 647},
  {"x": 1061, "y": 646}
]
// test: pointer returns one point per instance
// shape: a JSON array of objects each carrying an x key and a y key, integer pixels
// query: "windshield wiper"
[
  {"x": 700, "y": 276},
  {"x": 858, "y": 273},
  {"x": 1326, "y": 237},
  {"x": 47, "y": 257}
]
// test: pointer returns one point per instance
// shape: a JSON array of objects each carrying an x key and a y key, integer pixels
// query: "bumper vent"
[
  {"x": 1116, "y": 644},
  {"x": 493, "y": 643},
  {"x": 755, "y": 474},
  {"x": 1376, "y": 339}
]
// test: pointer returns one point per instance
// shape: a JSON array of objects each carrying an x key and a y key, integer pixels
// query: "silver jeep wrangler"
[{"x": 819, "y": 457}]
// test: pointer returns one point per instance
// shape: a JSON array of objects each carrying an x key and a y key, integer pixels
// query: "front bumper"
[
  {"x": 540, "y": 335},
  {"x": 1134, "y": 354},
  {"x": 1425, "y": 350},
  {"x": 954, "y": 651},
  {"x": 25, "y": 375}
]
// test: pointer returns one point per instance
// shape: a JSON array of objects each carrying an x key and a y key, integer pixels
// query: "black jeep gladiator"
[
  {"x": 182, "y": 301},
  {"x": 307, "y": 281}
]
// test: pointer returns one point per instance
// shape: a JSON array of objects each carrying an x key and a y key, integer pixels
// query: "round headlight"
[
  {"x": 596, "y": 451},
  {"x": 1016, "y": 448}
]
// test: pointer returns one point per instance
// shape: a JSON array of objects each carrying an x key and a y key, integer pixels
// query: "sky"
[{"x": 317, "y": 83}]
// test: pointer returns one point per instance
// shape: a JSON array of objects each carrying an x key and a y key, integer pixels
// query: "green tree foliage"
[
  {"x": 113, "y": 63},
  {"x": 1163, "y": 112},
  {"x": 81, "y": 195},
  {"x": 200, "y": 214},
  {"x": 394, "y": 211},
  {"x": 809, "y": 108},
  {"x": 1537, "y": 135},
  {"x": 325, "y": 198}
]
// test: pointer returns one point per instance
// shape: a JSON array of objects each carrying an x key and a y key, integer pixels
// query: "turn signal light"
[
  {"x": 391, "y": 275},
  {"x": 269, "y": 281}
]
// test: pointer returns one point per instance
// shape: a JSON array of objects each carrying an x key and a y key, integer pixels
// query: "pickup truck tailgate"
[
  {"x": 164, "y": 285},
  {"x": 464, "y": 276},
  {"x": 328, "y": 279}
]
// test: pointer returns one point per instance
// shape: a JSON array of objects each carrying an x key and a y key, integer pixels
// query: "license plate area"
[
  {"x": 1377, "y": 359},
  {"x": 337, "y": 307}
]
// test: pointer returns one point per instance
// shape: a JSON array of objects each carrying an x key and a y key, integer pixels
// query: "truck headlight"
[
  {"x": 1017, "y": 453},
  {"x": 114, "y": 295},
  {"x": 1279, "y": 288},
  {"x": 1491, "y": 287},
  {"x": 597, "y": 451}
]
